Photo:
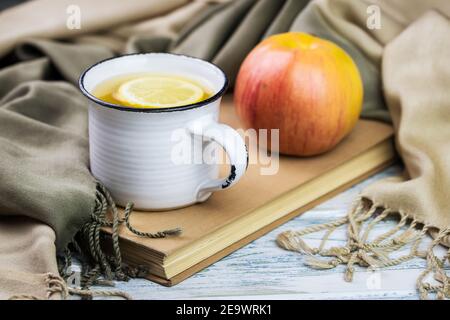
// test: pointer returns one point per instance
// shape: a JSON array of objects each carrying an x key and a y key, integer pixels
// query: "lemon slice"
[{"x": 158, "y": 92}]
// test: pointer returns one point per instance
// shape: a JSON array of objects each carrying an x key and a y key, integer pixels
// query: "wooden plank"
[
  {"x": 272, "y": 273},
  {"x": 219, "y": 255}
]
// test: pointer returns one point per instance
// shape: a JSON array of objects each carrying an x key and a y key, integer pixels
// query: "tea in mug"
[{"x": 151, "y": 91}]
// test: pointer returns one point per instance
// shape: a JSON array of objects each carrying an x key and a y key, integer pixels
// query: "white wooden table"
[{"x": 261, "y": 270}]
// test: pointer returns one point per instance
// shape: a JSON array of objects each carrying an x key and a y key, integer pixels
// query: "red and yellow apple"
[{"x": 308, "y": 88}]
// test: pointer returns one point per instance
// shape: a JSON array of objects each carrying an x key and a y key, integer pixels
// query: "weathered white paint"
[{"x": 261, "y": 270}]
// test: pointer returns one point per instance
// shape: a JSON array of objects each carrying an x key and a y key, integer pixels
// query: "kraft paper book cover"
[{"x": 259, "y": 203}]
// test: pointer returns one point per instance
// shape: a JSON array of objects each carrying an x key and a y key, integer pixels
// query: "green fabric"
[
  {"x": 226, "y": 33},
  {"x": 39, "y": 101},
  {"x": 286, "y": 16},
  {"x": 43, "y": 137},
  {"x": 246, "y": 36},
  {"x": 69, "y": 60},
  {"x": 209, "y": 36}
]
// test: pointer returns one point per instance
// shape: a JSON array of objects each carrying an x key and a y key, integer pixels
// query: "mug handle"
[{"x": 233, "y": 144}]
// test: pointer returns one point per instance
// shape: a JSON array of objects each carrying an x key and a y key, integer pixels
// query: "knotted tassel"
[{"x": 289, "y": 241}]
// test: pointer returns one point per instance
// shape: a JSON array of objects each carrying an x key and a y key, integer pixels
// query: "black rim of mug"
[{"x": 202, "y": 103}]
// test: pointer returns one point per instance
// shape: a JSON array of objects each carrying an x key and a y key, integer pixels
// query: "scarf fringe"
[
  {"x": 56, "y": 286},
  {"x": 374, "y": 254},
  {"x": 98, "y": 268}
]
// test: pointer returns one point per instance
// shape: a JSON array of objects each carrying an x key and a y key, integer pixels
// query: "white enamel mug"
[{"x": 132, "y": 149}]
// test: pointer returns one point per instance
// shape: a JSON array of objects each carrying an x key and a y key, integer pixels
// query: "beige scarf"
[{"x": 412, "y": 49}]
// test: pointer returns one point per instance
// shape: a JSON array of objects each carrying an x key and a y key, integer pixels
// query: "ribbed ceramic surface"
[
  {"x": 131, "y": 150},
  {"x": 131, "y": 153}
]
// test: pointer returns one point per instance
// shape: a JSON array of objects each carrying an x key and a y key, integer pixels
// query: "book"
[{"x": 258, "y": 203}]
